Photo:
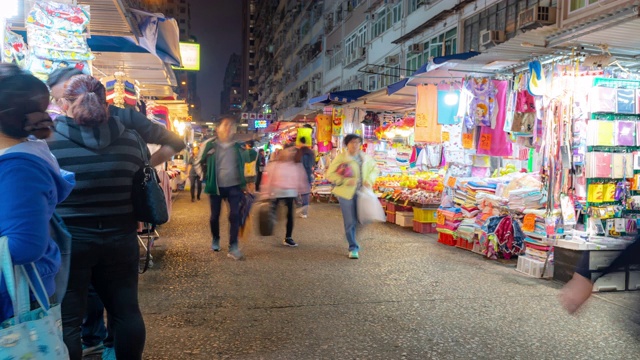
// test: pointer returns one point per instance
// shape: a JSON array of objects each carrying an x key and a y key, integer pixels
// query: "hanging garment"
[
  {"x": 495, "y": 142},
  {"x": 447, "y": 113},
  {"x": 434, "y": 155},
  {"x": 483, "y": 105},
  {"x": 427, "y": 128}
]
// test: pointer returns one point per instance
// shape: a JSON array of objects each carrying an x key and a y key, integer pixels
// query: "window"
[
  {"x": 355, "y": 41},
  {"x": 413, "y": 63},
  {"x": 413, "y": 5},
  {"x": 372, "y": 83},
  {"x": 397, "y": 13},
  {"x": 183, "y": 21},
  {"x": 391, "y": 75},
  {"x": 580, "y": 4},
  {"x": 335, "y": 58},
  {"x": 183, "y": 11},
  {"x": 380, "y": 23},
  {"x": 451, "y": 42}
]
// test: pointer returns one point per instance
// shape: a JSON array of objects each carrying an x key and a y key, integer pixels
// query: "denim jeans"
[
  {"x": 105, "y": 254},
  {"x": 289, "y": 203},
  {"x": 305, "y": 203},
  {"x": 234, "y": 196},
  {"x": 195, "y": 182},
  {"x": 350, "y": 217}
]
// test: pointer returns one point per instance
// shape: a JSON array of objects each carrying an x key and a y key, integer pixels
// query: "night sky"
[{"x": 217, "y": 24}]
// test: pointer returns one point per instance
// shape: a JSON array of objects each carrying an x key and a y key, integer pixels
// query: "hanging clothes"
[
  {"x": 447, "y": 113},
  {"x": 427, "y": 128},
  {"x": 495, "y": 142},
  {"x": 482, "y": 108}
]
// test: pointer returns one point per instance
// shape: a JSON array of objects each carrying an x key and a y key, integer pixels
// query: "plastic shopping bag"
[{"x": 369, "y": 207}]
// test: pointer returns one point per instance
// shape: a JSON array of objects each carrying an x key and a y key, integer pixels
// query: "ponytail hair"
[
  {"x": 88, "y": 100},
  {"x": 22, "y": 94}
]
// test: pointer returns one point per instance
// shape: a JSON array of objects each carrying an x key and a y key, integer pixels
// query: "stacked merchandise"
[
  {"x": 121, "y": 92},
  {"x": 15, "y": 50},
  {"x": 449, "y": 218},
  {"x": 159, "y": 113},
  {"x": 57, "y": 37}
]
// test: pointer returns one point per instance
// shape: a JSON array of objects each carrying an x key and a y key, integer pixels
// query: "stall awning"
[
  {"x": 338, "y": 97},
  {"x": 382, "y": 100}
]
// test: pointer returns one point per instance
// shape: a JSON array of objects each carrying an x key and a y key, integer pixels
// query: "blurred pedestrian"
[
  {"x": 195, "y": 178},
  {"x": 223, "y": 162},
  {"x": 286, "y": 179},
  {"x": 579, "y": 289},
  {"x": 307, "y": 158},
  {"x": 99, "y": 216},
  {"x": 250, "y": 170},
  {"x": 261, "y": 164},
  {"x": 349, "y": 171}
]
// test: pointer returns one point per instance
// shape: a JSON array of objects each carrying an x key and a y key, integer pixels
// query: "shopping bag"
[
  {"x": 30, "y": 334},
  {"x": 369, "y": 207},
  {"x": 266, "y": 219}
]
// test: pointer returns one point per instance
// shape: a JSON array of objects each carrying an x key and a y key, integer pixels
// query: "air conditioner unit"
[
  {"x": 415, "y": 49},
  {"x": 488, "y": 37},
  {"x": 537, "y": 16},
  {"x": 392, "y": 60}
]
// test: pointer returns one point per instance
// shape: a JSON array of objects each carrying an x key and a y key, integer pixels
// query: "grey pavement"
[{"x": 408, "y": 297}]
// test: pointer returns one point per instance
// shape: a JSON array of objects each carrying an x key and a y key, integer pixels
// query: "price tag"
[
  {"x": 445, "y": 136},
  {"x": 529, "y": 222},
  {"x": 440, "y": 220},
  {"x": 467, "y": 141},
  {"x": 452, "y": 182},
  {"x": 485, "y": 142}
]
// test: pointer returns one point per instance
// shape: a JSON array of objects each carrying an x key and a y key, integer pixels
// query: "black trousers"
[
  {"x": 105, "y": 253},
  {"x": 195, "y": 181},
  {"x": 289, "y": 202},
  {"x": 258, "y": 180}
]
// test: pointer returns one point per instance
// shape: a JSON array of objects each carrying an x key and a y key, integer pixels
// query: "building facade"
[
  {"x": 231, "y": 95},
  {"x": 307, "y": 48}
]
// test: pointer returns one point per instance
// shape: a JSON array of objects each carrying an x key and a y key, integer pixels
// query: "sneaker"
[
  {"x": 215, "y": 245},
  {"x": 92, "y": 350},
  {"x": 354, "y": 255},
  {"x": 289, "y": 242},
  {"x": 304, "y": 216},
  {"x": 235, "y": 255},
  {"x": 109, "y": 353}
]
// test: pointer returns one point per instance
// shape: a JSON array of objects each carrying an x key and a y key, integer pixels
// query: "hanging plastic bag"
[{"x": 369, "y": 207}]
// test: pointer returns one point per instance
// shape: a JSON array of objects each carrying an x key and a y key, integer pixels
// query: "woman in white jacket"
[{"x": 286, "y": 179}]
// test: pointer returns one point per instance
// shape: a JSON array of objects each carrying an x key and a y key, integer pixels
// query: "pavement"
[{"x": 408, "y": 297}]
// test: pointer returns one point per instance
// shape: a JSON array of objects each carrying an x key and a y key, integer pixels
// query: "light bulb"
[{"x": 451, "y": 99}]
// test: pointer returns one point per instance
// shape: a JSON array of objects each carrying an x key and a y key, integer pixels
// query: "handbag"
[
  {"x": 149, "y": 203},
  {"x": 30, "y": 334},
  {"x": 266, "y": 219}
]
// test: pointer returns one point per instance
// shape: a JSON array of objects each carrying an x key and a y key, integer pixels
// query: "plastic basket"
[
  {"x": 447, "y": 239},
  {"x": 425, "y": 215},
  {"x": 424, "y": 228},
  {"x": 465, "y": 244},
  {"x": 391, "y": 217}
]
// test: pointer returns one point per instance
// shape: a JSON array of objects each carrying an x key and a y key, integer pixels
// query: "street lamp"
[
  {"x": 193, "y": 106},
  {"x": 184, "y": 83}
]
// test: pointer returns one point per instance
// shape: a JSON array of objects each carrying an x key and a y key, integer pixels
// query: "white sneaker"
[{"x": 304, "y": 216}]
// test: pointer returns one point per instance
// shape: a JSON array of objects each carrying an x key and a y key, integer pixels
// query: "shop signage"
[
  {"x": 485, "y": 142},
  {"x": 467, "y": 141},
  {"x": 445, "y": 136},
  {"x": 190, "y": 53},
  {"x": 261, "y": 124},
  {"x": 256, "y": 116}
]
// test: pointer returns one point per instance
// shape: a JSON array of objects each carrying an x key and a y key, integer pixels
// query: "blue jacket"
[{"x": 32, "y": 184}]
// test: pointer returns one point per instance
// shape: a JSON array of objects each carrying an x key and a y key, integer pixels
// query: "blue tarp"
[
  {"x": 395, "y": 87},
  {"x": 341, "y": 97}
]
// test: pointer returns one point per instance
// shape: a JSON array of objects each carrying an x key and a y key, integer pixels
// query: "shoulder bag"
[
  {"x": 29, "y": 334},
  {"x": 149, "y": 202}
]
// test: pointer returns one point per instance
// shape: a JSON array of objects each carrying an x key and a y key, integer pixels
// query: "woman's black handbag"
[{"x": 149, "y": 202}]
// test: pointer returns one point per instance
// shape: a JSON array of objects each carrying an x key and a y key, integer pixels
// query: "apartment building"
[
  {"x": 307, "y": 48},
  {"x": 231, "y": 95}
]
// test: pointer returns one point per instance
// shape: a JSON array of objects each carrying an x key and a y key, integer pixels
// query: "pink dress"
[{"x": 495, "y": 142}]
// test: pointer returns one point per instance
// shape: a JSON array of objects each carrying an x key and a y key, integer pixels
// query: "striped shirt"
[{"x": 104, "y": 159}]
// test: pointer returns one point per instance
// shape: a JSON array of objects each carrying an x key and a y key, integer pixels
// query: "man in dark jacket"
[
  {"x": 307, "y": 157},
  {"x": 223, "y": 163}
]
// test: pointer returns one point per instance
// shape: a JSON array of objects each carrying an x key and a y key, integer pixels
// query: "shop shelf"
[
  {"x": 465, "y": 244},
  {"x": 634, "y": 280},
  {"x": 404, "y": 218},
  {"x": 391, "y": 217},
  {"x": 616, "y": 281},
  {"x": 424, "y": 228},
  {"x": 425, "y": 215},
  {"x": 534, "y": 267},
  {"x": 447, "y": 239}
]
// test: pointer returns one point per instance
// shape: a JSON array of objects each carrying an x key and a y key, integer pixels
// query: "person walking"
[
  {"x": 31, "y": 180},
  {"x": 99, "y": 216},
  {"x": 250, "y": 169},
  {"x": 349, "y": 171},
  {"x": 286, "y": 180},
  {"x": 307, "y": 158},
  {"x": 261, "y": 164},
  {"x": 195, "y": 179},
  {"x": 223, "y": 162}
]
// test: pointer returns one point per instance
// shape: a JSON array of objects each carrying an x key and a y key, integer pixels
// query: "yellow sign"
[
  {"x": 190, "y": 53},
  {"x": 529, "y": 222},
  {"x": 441, "y": 219},
  {"x": 445, "y": 136},
  {"x": 467, "y": 141}
]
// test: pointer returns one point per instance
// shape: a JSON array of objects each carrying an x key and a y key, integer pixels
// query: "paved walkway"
[{"x": 408, "y": 297}]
